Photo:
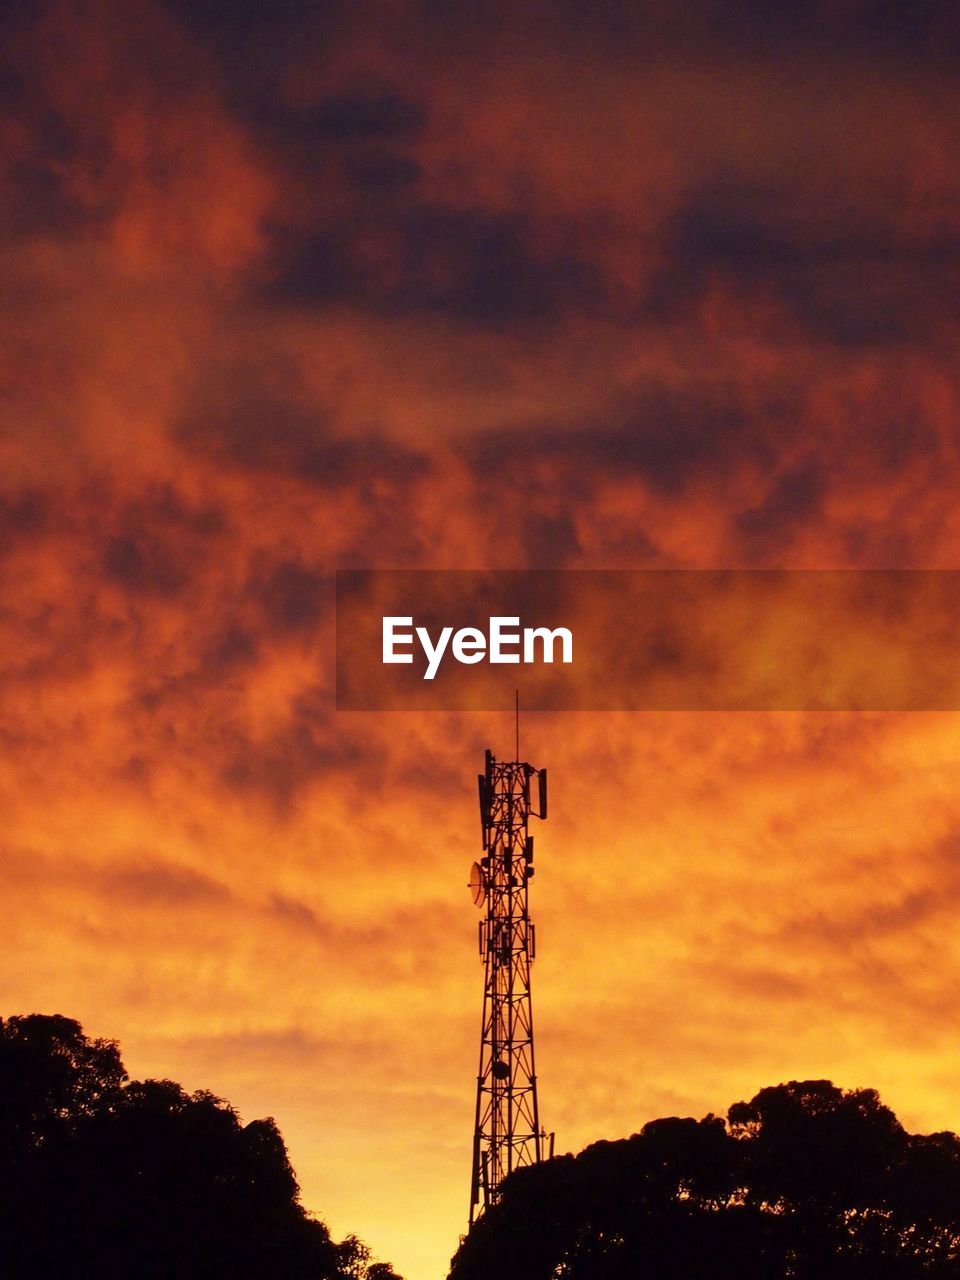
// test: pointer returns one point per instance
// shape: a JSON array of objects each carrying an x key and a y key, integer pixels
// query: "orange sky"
[{"x": 650, "y": 286}]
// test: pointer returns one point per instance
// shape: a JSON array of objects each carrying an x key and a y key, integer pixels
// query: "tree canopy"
[
  {"x": 101, "y": 1176},
  {"x": 804, "y": 1181}
]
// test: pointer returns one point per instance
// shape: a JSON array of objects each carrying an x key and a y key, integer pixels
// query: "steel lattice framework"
[{"x": 507, "y": 1133}]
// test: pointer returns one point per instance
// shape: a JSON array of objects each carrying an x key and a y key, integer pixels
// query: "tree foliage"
[
  {"x": 105, "y": 1177},
  {"x": 804, "y": 1181}
]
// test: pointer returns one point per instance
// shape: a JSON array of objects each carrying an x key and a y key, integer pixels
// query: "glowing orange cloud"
[{"x": 405, "y": 293}]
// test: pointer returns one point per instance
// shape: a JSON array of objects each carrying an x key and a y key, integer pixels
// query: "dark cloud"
[
  {"x": 144, "y": 566},
  {"x": 162, "y": 884},
  {"x": 298, "y": 913},
  {"x": 666, "y": 436},
  {"x": 758, "y": 26},
  {"x": 157, "y": 542},
  {"x": 909, "y": 912},
  {"x": 379, "y": 171},
  {"x": 140, "y": 880},
  {"x": 277, "y": 33},
  {"x": 39, "y": 203},
  {"x": 363, "y": 136},
  {"x": 850, "y": 276},
  {"x": 748, "y": 981},
  {"x": 475, "y": 266},
  {"x": 930, "y": 24},
  {"x": 24, "y": 514},
  {"x": 314, "y": 267},
  {"x": 379, "y": 114},
  {"x": 280, "y": 766},
  {"x": 164, "y": 505},
  {"x": 292, "y": 597},
  {"x": 549, "y": 541},
  {"x": 235, "y": 647},
  {"x": 793, "y": 501},
  {"x": 898, "y": 426},
  {"x": 261, "y": 420},
  {"x": 254, "y": 41},
  {"x": 864, "y": 28},
  {"x": 290, "y": 1046},
  {"x": 39, "y": 198}
]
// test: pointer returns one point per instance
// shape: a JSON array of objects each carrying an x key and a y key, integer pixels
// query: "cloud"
[
  {"x": 594, "y": 286},
  {"x": 23, "y": 515},
  {"x": 472, "y": 266},
  {"x": 796, "y": 498},
  {"x": 155, "y": 885},
  {"x": 857, "y": 276},
  {"x": 292, "y": 597},
  {"x": 259, "y": 418},
  {"x": 301, "y": 749},
  {"x": 668, "y": 437},
  {"x": 343, "y": 117}
]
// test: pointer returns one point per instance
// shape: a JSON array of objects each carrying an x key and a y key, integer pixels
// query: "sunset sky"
[{"x": 292, "y": 287}]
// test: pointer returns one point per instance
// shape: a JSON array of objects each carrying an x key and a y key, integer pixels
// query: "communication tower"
[{"x": 507, "y": 1132}]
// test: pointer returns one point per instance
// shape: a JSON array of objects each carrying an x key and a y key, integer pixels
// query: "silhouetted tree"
[
  {"x": 355, "y": 1260},
  {"x": 804, "y": 1182},
  {"x": 103, "y": 1177}
]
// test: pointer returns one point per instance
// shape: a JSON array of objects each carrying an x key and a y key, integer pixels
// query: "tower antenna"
[{"x": 507, "y": 1133}]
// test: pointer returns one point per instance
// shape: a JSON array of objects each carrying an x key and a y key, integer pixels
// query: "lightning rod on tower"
[{"x": 507, "y": 1132}]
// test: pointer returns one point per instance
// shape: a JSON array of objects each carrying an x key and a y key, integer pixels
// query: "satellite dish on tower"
[{"x": 478, "y": 885}]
